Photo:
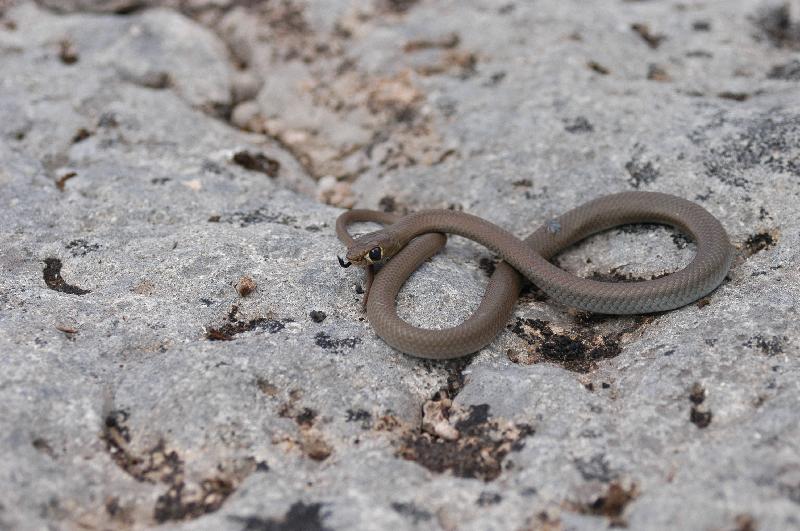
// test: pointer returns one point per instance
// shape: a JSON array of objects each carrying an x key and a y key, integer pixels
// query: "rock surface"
[{"x": 155, "y": 154}]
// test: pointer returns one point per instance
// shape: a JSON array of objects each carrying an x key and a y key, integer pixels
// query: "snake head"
[{"x": 370, "y": 249}]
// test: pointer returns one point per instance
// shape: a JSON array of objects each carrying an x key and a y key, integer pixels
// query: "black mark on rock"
[
  {"x": 233, "y": 326},
  {"x": 699, "y": 414},
  {"x": 641, "y": 172},
  {"x": 317, "y": 316},
  {"x": 767, "y": 345},
  {"x": 299, "y": 517},
  {"x": 477, "y": 450},
  {"x": 735, "y": 96},
  {"x": 786, "y": 72},
  {"x": 388, "y": 203},
  {"x": 81, "y": 247},
  {"x": 653, "y": 40},
  {"x": 776, "y": 25},
  {"x": 412, "y": 512},
  {"x": 257, "y": 162},
  {"x": 755, "y": 243},
  {"x": 597, "y": 67},
  {"x": 178, "y": 503},
  {"x": 579, "y": 125},
  {"x": 769, "y": 141},
  {"x": 67, "y": 52},
  {"x": 577, "y": 352},
  {"x": 488, "y": 498},
  {"x": 335, "y": 345},
  {"x": 54, "y": 281},
  {"x": 360, "y": 415},
  {"x": 487, "y": 265},
  {"x": 595, "y": 469},
  {"x": 252, "y": 217},
  {"x": 611, "y": 504}
]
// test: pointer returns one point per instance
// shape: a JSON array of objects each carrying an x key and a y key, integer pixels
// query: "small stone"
[
  {"x": 245, "y": 286},
  {"x": 245, "y": 86},
  {"x": 247, "y": 116}
]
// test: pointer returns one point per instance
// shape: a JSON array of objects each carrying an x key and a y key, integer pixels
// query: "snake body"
[{"x": 412, "y": 239}]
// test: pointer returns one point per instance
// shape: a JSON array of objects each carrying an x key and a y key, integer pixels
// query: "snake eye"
[{"x": 375, "y": 254}]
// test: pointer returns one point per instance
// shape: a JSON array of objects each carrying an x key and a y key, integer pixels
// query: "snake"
[{"x": 392, "y": 254}]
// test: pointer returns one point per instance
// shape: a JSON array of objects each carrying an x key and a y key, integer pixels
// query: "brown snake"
[{"x": 406, "y": 242}]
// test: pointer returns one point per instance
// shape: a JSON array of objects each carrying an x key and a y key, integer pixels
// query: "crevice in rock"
[
  {"x": 54, "y": 280},
  {"x": 577, "y": 350},
  {"x": 234, "y": 326},
  {"x": 183, "y": 499},
  {"x": 466, "y": 442}
]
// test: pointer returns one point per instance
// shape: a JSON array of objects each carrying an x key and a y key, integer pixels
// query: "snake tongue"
[{"x": 343, "y": 263}]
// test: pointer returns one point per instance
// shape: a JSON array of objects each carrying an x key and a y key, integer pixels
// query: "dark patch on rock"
[
  {"x": 335, "y": 345},
  {"x": 300, "y": 517},
  {"x": 67, "y": 52},
  {"x": 701, "y": 25},
  {"x": 81, "y": 247},
  {"x": 735, "y": 96},
  {"x": 412, "y": 512},
  {"x": 360, "y": 415},
  {"x": 611, "y": 504},
  {"x": 680, "y": 240},
  {"x": 697, "y": 394},
  {"x": 477, "y": 415},
  {"x": 317, "y": 316},
  {"x": 61, "y": 182},
  {"x": 577, "y": 352},
  {"x": 657, "y": 73},
  {"x": 488, "y": 498},
  {"x": 744, "y": 522},
  {"x": 579, "y": 125},
  {"x": 755, "y": 243},
  {"x": 159, "y": 465},
  {"x": 653, "y": 40},
  {"x": 775, "y": 23},
  {"x": 476, "y": 451},
  {"x": 700, "y": 416},
  {"x": 769, "y": 346},
  {"x": 257, "y": 162},
  {"x": 252, "y": 217},
  {"x": 178, "y": 504},
  {"x": 304, "y": 417},
  {"x": 641, "y": 172},
  {"x": 44, "y": 447},
  {"x": 595, "y": 469},
  {"x": 454, "y": 368},
  {"x": 616, "y": 275},
  {"x": 399, "y": 6},
  {"x": 597, "y": 67},
  {"x": 487, "y": 265},
  {"x": 787, "y": 72},
  {"x": 156, "y": 464},
  {"x": 234, "y": 326},
  {"x": 387, "y": 203},
  {"x": 770, "y": 141},
  {"x": 54, "y": 281},
  {"x": 81, "y": 135}
]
